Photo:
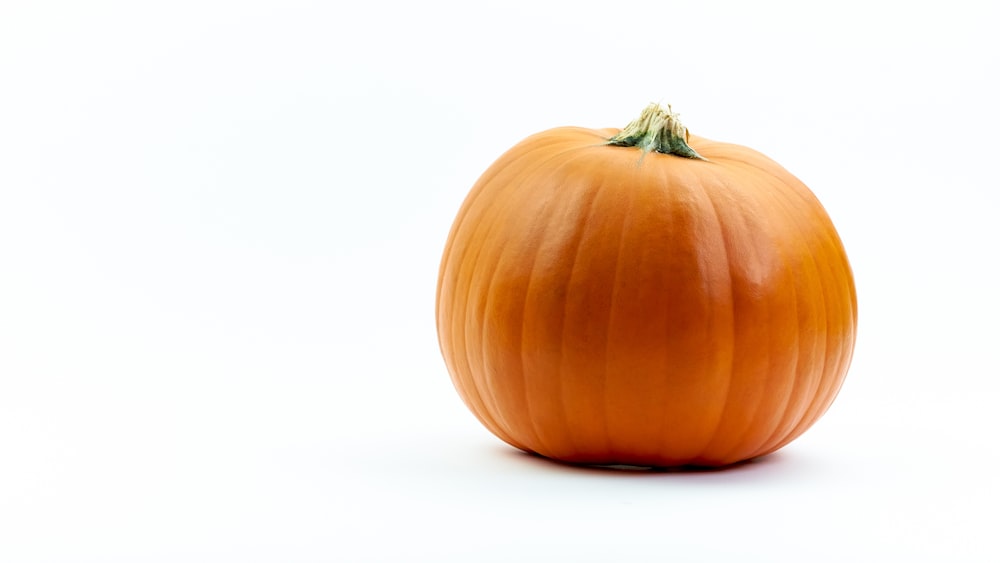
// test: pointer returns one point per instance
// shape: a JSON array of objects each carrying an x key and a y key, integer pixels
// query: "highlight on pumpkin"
[{"x": 673, "y": 314}]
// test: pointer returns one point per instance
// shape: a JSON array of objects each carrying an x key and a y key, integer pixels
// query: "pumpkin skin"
[{"x": 600, "y": 304}]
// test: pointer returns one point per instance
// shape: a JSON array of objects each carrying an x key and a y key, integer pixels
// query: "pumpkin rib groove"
[
  {"x": 470, "y": 390},
  {"x": 826, "y": 379},
  {"x": 666, "y": 183},
  {"x": 728, "y": 253},
  {"x": 471, "y": 394},
  {"x": 501, "y": 220},
  {"x": 804, "y": 357},
  {"x": 663, "y": 186},
  {"x": 776, "y": 374},
  {"x": 789, "y": 378},
  {"x": 529, "y": 412},
  {"x": 470, "y": 201},
  {"x": 759, "y": 410},
  {"x": 586, "y": 212},
  {"x": 831, "y": 384},
  {"x": 561, "y": 175},
  {"x": 489, "y": 177},
  {"x": 806, "y": 261},
  {"x": 840, "y": 270},
  {"x": 801, "y": 266},
  {"x": 495, "y": 414},
  {"x": 525, "y": 182},
  {"x": 707, "y": 187},
  {"x": 626, "y": 214},
  {"x": 849, "y": 292},
  {"x": 847, "y": 350},
  {"x": 485, "y": 393}
]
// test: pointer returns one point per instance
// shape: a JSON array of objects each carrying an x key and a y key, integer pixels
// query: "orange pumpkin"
[{"x": 644, "y": 297}]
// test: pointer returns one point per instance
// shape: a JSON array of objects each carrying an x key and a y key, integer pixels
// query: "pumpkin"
[{"x": 644, "y": 297}]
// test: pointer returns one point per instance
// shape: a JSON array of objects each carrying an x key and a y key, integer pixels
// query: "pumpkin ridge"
[
  {"x": 494, "y": 414},
  {"x": 697, "y": 458},
  {"x": 839, "y": 269},
  {"x": 847, "y": 354},
  {"x": 826, "y": 379},
  {"x": 586, "y": 212},
  {"x": 831, "y": 384},
  {"x": 666, "y": 181},
  {"x": 794, "y": 418},
  {"x": 491, "y": 413},
  {"x": 469, "y": 203},
  {"x": 609, "y": 412},
  {"x": 834, "y": 364},
  {"x": 469, "y": 391},
  {"x": 805, "y": 417},
  {"x": 521, "y": 183},
  {"x": 779, "y": 411},
  {"x": 531, "y": 417},
  {"x": 832, "y": 247},
  {"x": 561, "y": 173}
]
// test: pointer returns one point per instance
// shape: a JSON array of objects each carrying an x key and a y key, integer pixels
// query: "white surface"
[{"x": 220, "y": 226}]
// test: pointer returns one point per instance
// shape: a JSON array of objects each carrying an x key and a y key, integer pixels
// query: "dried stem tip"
[{"x": 656, "y": 130}]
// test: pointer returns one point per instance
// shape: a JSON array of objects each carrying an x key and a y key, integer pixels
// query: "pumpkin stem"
[{"x": 656, "y": 130}]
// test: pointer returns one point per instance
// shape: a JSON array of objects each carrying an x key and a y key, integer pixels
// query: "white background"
[{"x": 220, "y": 226}]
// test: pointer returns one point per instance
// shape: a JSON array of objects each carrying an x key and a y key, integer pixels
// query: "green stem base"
[{"x": 656, "y": 130}]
